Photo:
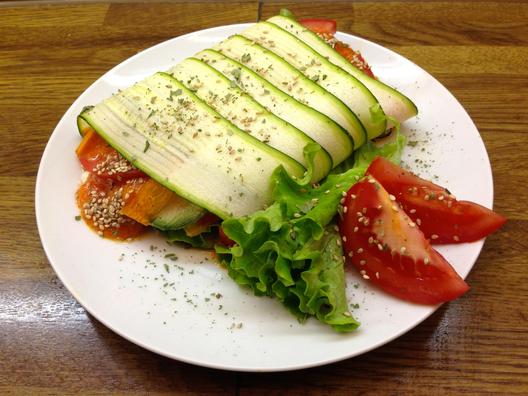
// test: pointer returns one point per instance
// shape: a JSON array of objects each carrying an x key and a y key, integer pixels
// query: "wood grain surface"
[{"x": 51, "y": 52}]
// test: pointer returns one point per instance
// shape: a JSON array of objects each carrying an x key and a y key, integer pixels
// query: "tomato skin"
[
  {"x": 327, "y": 28},
  {"x": 94, "y": 152},
  {"x": 390, "y": 252},
  {"x": 354, "y": 57},
  {"x": 90, "y": 165},
  {"x": 223, "y": 239},
  {"x": 106, "y": 188},
  {"x": 321, "y": 26},
  {"x": 440, "y": 216}
]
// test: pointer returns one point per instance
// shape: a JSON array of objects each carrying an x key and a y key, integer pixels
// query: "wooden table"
[{"x": 50, "y": 53}]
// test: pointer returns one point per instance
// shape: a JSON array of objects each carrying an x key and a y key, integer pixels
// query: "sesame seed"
[
  {"x": 360, "y": 250},
  {"x": 351, "y": 254},
  {"x": 371, "y": 181},
  {"x": 345, "y": 209},
  {"x": 456, "y": 238},
  {"x": 392, "y": 197},
  {"x": 380, "y": 246},
  {"x": 403, "y": 249},
  {"x": 377, "y": 275},
  {"x": 362, "y": 262},
  {"x": 426, "y": 260},
  {"x": 356, "y": 229},
  {"x": 434, "y": 236},
  {"x": 353, "y": 196},
  {"x": 344, "y": 238}
]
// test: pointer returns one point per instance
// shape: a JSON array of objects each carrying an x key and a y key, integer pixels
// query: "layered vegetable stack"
[
  {"x": 215, "y": 126},
  {"x": 252, "y": 133}
]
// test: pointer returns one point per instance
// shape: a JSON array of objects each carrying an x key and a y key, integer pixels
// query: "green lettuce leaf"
[
  {"x": 204, "y": 240},
  {"x": 291, "y": 250},
  {"x": 287, "y": 13}
]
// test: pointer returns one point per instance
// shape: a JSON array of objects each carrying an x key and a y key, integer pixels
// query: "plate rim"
[{"x": 38, "y": 213}]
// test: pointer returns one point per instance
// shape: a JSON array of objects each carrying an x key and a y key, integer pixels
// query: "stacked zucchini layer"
[{"x": 215, "y": 126}]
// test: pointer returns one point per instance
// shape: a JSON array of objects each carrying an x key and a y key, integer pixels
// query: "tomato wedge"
[
  {"x": 386, "y": 247},
  {"x": 321, "y": 26},
  {"x": 440, "y": 216},
  {"x": 98, "y": 157}
]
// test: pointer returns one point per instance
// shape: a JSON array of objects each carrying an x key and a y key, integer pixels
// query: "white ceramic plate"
[{"x": 194, "y": 312}]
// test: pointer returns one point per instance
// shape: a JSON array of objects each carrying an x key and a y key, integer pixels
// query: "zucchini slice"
[
  {"x": 332, "y": 137},
  {"x": 329, "y": 76},
  {"x": 224, "y": 96},
  {"x": 291, "y": 81},
  {"x": 394, "y": 103},
  {"x": 165, "y": 130}
]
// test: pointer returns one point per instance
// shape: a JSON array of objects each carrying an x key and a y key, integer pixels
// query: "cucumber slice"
[
  {"x": 177, "y": 214},
  {"x": 332, "y": 137},
  {"x": 394, "y": 103},
  {"x": 314, "y": 66},
  {"x": 165, "y": 130},
  {"x": 291, "y": 81},
  {"x": 83, "y": 126},
  {"x": 224, "y": 96}
]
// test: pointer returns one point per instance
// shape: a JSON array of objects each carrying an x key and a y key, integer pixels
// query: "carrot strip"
[{"x": 147, "y": 202}]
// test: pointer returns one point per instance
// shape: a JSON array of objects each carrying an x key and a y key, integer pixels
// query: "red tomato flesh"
[
  {"x": 327, "y": 28},
  {"x": 98, "y": 194},
  {"x": 98, "y": 157},
  {"x": 385, "y": 245},
  {"x": 321, "y": 26},
  {"x": 441, "y": 217},
  {"x": 354, "y": 57},
  {"x": 223, "y": 239}
]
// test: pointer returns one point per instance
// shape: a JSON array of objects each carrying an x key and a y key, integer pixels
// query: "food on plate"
[
  {"x": 244, "y": 112},
  {"x": 292, "y": 250},
  {"x": 440, "y": 216},
  {"x": 251, "y": 148},
  {"x": 394, "y": 104},
  {"x": 387, "y": 247},
  {"x": 322, "y": 128}
]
